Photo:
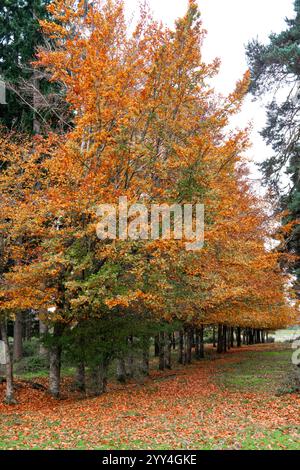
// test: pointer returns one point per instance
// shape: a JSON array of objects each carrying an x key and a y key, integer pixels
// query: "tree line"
[{"x": 134, "y": 114}]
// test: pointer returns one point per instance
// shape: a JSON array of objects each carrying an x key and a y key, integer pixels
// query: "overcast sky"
[{"x": 230, "y": 25}]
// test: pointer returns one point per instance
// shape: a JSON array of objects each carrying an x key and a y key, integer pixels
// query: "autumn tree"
[{"x": 148, "y": 127}]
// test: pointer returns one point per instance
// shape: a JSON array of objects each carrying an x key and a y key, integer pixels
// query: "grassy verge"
[{"x": 265, "y": 371}]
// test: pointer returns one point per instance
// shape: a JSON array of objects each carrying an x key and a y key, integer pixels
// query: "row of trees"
[{"x": 143, "y": 122}]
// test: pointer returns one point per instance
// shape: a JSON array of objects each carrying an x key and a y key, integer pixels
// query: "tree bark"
[
  {"x": 121, "y": 370},
  {"x": 156, "y": 345},
  {"x": 130, "y": 358},
  {"x": 98, "y": 376},
  {"x": 55, "y": 362},
  {"x": 201, "y": 342},
  {"x": 228, "y": 343},
  {"x": 247, "y": 337},
  {"x": 181, "y": 348},
  {"x": 251, "y": 336},
  {"x": 95, "y": 380},
  {"x": 220, "y": 339},
  {"x": 79, "y": 380},
  {"x": 224, "y": 338},
  {"x": 173, "y": 341},
  {"x": 103, "y": 375},
  {"x": 43, "y": 329},
  {"x": 161, "y": 364},
  {"x": 197, "y": 344},
  {"x": 189, "y": 344},
  {"x": 18, "y": 337},
  {"x": 9, "y": 394},
  {"x": 168, "y": 348},
  {"x": 214, "y": 337},
  {"x": 145, "y": 361}
]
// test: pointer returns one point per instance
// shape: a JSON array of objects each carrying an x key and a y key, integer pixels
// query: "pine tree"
[
  {"x": 19, "y": 37},
  {"x": 276, "y": 66}
]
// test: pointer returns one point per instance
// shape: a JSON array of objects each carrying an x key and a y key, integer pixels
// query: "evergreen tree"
[
  {"x": 276, "y": 67},
  {"x": 20, "y": 36}
]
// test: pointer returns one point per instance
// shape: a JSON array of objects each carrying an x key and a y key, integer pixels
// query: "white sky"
[{"x": 230, "y": 25}]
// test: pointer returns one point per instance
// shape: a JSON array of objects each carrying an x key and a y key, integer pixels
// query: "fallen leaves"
[{"x": 187, "y": 410}]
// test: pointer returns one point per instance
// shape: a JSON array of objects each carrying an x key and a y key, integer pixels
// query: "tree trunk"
[
  {"x": 173, "y": 341},
  {"x": 214, "y": 337},
  {"x": 79, "y": 382},
  {"x": 168, "y": 349},
  {"x": 156, "y": 345},
  {"x": 181, "y": 348},
  {"x": 98, "y": 376},
  {"x": 130, "y": 358},
  {"x": 228, "y": 338},
  {"x": 224, "y": 338},
  {"x": 220, "y": 339},
  {"x": 95, "y": 380},
  {"x": 197, "y": 345},
  {"x": 103, "y": 375},
  {"x": 9, "y": 395},
  {"x": 121, "y": 370},
  {"x": 43, "y": 330},
  {"x": 55, "y": 362},
  {"x": 161, "y": 365},
  {"x": 18, "y": 337},
  {"x": 54, "y": 371},
  {"x": 188, "y": 335},
  {"x": 145, "y": 361},
  {"x": 201, "y": 342},
  {"x": 251, "y": 338}
]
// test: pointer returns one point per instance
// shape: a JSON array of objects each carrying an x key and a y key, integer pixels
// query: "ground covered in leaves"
[{"x": 244, "y": 400}]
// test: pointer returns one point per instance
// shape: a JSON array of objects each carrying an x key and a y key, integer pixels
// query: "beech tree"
[{"x": 149, "y": 127}]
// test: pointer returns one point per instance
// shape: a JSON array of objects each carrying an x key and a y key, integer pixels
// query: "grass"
[
  {"x": 252, "y": 438},
  {"x": 42, "y": 373},
  {"x": 259, "y": 371}
]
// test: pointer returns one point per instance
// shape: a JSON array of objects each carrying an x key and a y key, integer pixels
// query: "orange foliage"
[{"x": 146, "y": 122}]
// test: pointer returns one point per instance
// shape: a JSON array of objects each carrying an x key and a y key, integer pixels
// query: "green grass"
[
  {"x": 66, "y": 372},
  {"x": 262, "y": 370},
  {"x": 255, "y": 439},
  {"x": 284, "y": 438}
]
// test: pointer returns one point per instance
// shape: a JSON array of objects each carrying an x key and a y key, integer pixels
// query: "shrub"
[
  {"x": 31, "y": 364},
  {"x": 31, "y": 347}
]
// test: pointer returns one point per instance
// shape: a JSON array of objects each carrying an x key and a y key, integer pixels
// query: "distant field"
[{"x": 287, "y": 335}]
